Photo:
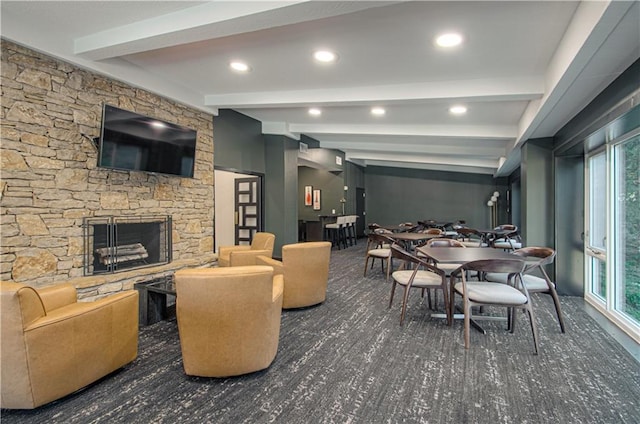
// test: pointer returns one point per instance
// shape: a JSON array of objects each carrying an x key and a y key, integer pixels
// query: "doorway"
[{"x": 235, "y": 206}]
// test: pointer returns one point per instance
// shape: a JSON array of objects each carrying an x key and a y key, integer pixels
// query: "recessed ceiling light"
[
  {"x": 379, "y": 111},
  {"x": 450, "y": 39},
  {"x": 325, "y": 56},
  {"x": 315, "y": 111},
  {"x": 239, "y": 66},
  {"x": 458, "y": 110}
]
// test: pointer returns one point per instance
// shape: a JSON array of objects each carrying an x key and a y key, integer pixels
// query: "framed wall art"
[
  {"x": 307, "y": 196},
  {"x": 316, "y": 200}
]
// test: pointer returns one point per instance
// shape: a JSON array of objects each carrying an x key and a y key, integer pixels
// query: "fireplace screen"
[{"x": 113, "y": 244}]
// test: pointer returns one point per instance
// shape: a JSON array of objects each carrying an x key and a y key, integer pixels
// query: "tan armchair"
[
  {"x": 262, "y": 245},
  {"x": 305, "y": 268},
  {"x": 228, "y": 319},
  {"x": 53, "y": 345}
]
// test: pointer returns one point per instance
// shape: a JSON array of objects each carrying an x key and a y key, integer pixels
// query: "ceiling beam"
[
  {"x": 208, "y": 21},
  {"x": 489, "y": 89},
  {"x": 477, "y": 151},
  {"x": 475, "y": 131}
]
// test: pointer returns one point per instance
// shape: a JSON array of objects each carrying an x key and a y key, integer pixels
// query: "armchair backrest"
[
  {"x": 263, "y": 241},
  {"x": 228, "y": 319},
  {"x": 306, "y": 273},
  {"x": 21, "y": 305}
]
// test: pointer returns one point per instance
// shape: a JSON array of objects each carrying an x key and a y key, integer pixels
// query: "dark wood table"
[
  {"x": 408, "y": 239},
  {"x": 460, "y": 255},
  {"x": 463, "y": 255}
]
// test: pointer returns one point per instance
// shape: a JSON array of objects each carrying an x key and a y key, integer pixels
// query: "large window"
[
  {"x": 626, "y": 213},
  {"x": 597, "y": 232},
  {"x": 612, "y": 245}
]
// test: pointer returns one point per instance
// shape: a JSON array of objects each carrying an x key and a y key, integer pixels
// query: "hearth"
[{"x": 118, "y": 243}]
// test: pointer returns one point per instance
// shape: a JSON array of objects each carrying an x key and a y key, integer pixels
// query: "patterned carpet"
[{"x": 349, "y": 361}]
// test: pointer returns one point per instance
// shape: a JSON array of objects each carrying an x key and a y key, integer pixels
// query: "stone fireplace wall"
[{"x": 49, "y": 181}]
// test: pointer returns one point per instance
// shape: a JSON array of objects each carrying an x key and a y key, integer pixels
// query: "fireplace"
[{"x": 113, "y": 244}]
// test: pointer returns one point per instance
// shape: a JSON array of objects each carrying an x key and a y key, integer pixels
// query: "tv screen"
[{"x": 136, "y": 142}]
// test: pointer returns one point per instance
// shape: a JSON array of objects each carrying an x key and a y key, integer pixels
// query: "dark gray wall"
[
  {"x": 331, "y": 185},
  {"x": 281, "y": 187},
  {"x": 238, "y": 142},
  {"x": 353, "y": 179},
  {"x": 396, "y": 195},
  {"x": 537, "y": 202}
]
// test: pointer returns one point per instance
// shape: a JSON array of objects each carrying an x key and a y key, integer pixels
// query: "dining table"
[
  {"x": 408, "y": 239},
  {"x": 463, "y": 255}
]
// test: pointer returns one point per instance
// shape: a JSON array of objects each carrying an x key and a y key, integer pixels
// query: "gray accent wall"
[
  {"x": 537, "y": 202},
  {"x": 281, "y": 187},
  {"x": 238, "y": 142},
  {"x": 395, "y": 195}
]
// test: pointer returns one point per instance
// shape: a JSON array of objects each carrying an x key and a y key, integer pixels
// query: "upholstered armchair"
[
  {"x": 305, "y": 269},
  {"x": 261, "y": 245},
  {"x": 228, "y": 319},
  {"x": 53, "y": 345}
]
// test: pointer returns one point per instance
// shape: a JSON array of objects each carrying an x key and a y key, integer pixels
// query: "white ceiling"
[{"x": 524, "y": 70}]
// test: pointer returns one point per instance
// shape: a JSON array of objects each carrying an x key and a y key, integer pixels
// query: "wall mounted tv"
[{"x": 136, "y": 142}]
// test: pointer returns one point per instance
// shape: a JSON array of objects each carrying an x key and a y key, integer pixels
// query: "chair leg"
[
  {"x": 534, "y": 329},
  {"x": 393, "y": 290},
  {"x": 467, "y": 324},
  {"x": 366, "y": 262},
  {"x": 404, "y": 304},
  {"x": 556, "y": 302},
  {"x": 447, "y": 307}
]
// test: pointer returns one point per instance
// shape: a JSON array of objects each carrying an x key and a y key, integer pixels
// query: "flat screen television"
[{"x": 135, "y": 142}]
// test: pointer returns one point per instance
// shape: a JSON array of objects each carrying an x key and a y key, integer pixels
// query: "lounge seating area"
[
  {"x": 348, "y": 359},
  {"x": 190, "y": 191}
]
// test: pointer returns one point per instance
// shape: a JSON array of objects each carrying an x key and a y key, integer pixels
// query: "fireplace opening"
[{"x": 113, "y": 244}]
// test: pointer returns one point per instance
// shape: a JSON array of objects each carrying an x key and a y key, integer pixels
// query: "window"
[
  {"x": 626, "y": 222},
  {"x": 612, "y": 244}
]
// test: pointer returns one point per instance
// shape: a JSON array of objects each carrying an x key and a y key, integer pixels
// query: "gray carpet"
[{"x": 349, "y": 361}]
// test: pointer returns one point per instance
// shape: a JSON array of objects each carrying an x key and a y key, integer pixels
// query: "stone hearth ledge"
[{"x": 97, "y": 286}]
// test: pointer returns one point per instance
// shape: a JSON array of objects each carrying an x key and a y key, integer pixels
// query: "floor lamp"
[{"x": 493, "y": 205}]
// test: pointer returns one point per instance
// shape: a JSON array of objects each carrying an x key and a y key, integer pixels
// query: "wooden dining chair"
[
  {"x": 416, "y": 273},
  {"x": 378, "y": 247},
  {"x": 536, "y": 259},
  {"x": 512, "y": 295}
]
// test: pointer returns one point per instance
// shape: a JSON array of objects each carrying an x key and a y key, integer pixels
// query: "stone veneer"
[{"x": 49, "y": 181}]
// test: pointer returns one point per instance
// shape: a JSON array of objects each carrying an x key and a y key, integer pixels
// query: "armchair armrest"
[
  {"x": 226, "y": 250},
  {"x": 278, "y": 267},
  {"x": 57, "y": 296},
  {"x": 77, "y": 309},
  {"x": 278, "y": 289}
]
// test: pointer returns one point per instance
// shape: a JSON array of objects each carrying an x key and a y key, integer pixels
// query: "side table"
[{"x": 153, "y": 300}]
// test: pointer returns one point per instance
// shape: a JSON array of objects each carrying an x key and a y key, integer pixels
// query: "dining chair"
[
  {"x": 378, "y": 247},
  {"x": 471, "y": 237},
  {"x": 536, "y": 259},
  {"x": 510, "y": 240},
  {"x": 512, "y": 295},
  {"x": 416, "y": 273}
]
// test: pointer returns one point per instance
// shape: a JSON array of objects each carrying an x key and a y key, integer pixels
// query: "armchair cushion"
[{"x": 53, "y": 345}]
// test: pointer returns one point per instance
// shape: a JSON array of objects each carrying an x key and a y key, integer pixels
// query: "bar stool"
[{"x": 337, "y": 232}]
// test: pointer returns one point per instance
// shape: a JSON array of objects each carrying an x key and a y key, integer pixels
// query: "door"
[
  {"x": 248, "y": 217},
  {"x": 360, "y": 212}
]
